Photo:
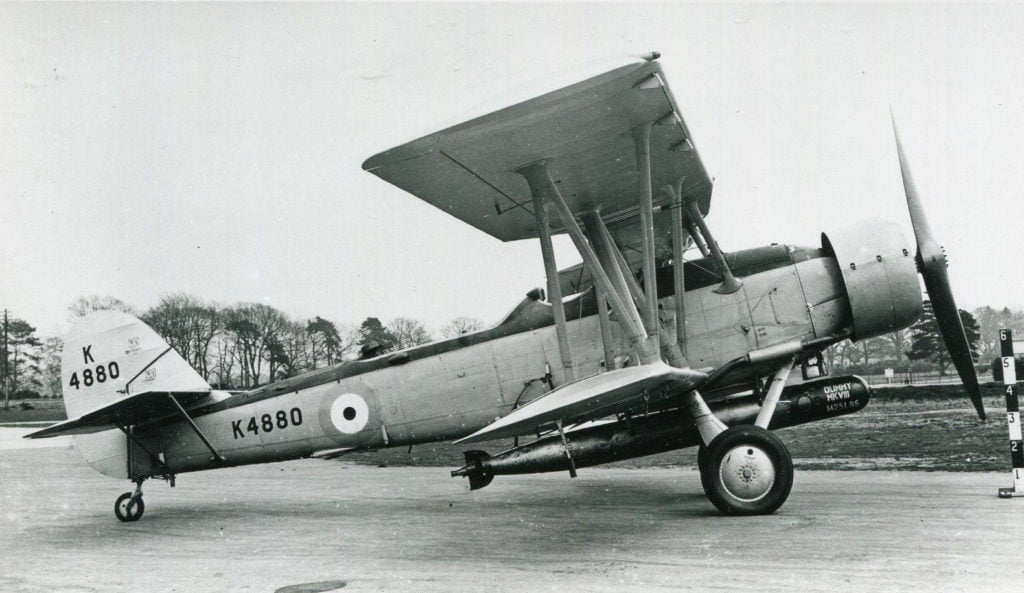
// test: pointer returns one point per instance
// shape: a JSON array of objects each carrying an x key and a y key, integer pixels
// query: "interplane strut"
[
  {"x": 554, "y": 288},
  {"x": 642, "y": 141},
  {"x": 614, "y": 282},
  {"x": 546, "y": 192},
  {"x": 678, "y": 277}
]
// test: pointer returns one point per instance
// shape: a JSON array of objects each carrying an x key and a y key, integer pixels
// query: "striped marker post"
[{"x": 1012, "y": 415}]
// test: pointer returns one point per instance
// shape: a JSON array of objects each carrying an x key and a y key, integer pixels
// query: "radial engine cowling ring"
[{"x": 880, "y": 276}]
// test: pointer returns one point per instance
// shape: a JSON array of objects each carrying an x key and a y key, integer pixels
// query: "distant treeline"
[
  {"x": 248, "y": 344},
  {"x": 233, "y": 347},
  {"x": 920, "y": 347}
]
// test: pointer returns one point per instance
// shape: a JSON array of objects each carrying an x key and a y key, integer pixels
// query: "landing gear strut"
[
  {"x": 129, "y": 506},
  {"x": 746, "y": 470}
]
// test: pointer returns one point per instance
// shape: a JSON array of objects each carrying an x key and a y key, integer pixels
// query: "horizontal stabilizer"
[
  {"x": 591, "y": 398},
  {"x": 148, "y": 406}
]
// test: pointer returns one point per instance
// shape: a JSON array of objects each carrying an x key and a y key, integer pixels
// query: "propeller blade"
[{"x": 931, "y": 261}]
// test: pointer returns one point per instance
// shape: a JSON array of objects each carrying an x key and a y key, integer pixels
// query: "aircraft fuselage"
[{"x": 449, "y": 389}]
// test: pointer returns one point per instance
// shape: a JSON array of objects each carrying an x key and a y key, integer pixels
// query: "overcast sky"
[{"x": 216, "y": 150}]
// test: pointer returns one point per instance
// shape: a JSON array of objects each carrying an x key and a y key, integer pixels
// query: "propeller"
[{"x": 931, "y": 262}]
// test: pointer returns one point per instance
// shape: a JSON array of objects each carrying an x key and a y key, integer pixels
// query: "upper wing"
[
  {"x": 593, "y": 397},
  {"x": 148, "y": 406},
  {"x": 584, "y": 129}
]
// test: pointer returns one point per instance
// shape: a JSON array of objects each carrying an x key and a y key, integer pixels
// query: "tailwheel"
[
  {"x": 746, "y": 470},
  {"x": 129, "y": 507}
]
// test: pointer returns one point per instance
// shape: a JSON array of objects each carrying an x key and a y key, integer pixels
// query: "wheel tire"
[
  {"x": 127, "y": 510},
  {"x": 121, "y": 507},
  {"x": 136, "y": 508},
  {"x": 702, "y": 455},
  {"x": 747, "y": 470}
]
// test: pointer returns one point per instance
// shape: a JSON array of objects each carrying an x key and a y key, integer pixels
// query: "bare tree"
[
  {"x": 461, "y": 325},
  {"x": 223, "y": 361},
  {"x": 896, "y": 345},
  {"x": 839, "y": 354},
  {"x": 82, "y": 306},
  {"x": 257, "y": 332},
  {"x": 990, "y": 321},
  {"x": 408, "y": 332},
  {"x": 348, "y": 345},
  {"x": 296, "y": 352},
  {"x": 188, "y": 325}
]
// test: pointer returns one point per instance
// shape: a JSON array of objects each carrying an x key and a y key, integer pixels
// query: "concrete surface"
[{"x": 265, "y": 528}]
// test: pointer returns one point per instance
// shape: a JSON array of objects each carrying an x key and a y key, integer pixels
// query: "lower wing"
[{"x": 591, "y": 398}]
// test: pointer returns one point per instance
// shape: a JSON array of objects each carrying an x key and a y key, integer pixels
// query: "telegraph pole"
[{"x": 7, "y": 384}]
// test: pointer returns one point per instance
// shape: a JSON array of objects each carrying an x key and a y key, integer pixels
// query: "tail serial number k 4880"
[{"x": 633, "y": 352}]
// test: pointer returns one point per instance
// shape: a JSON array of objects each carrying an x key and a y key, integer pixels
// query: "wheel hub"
[{"x": 747, "y": 473}]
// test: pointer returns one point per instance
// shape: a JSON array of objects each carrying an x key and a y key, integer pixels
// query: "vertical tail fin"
[{"x": 108, "y": 356}]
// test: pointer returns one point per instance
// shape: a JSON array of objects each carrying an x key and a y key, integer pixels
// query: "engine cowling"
[{"x": 879, "y": 274}]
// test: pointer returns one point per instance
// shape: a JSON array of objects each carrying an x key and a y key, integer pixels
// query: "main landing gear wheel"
[
  {"x": 129, "y": 507},
  {"x": 746, "y": 470}
]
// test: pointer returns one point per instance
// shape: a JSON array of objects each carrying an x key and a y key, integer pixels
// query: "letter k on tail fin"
[{"x": 110, "y": 355}]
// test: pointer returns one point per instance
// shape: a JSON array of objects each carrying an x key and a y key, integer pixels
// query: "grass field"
[
  {"x": 909, "y": 428},
  {"x": 51, "y": 410}
]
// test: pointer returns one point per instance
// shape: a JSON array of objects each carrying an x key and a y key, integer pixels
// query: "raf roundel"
[{"x": 349, "y": 413}]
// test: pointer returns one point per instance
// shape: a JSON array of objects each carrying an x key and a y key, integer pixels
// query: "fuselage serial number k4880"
[{"x": 280, "y": 420}]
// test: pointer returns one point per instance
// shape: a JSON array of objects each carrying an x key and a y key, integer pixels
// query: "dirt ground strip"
[{"x": 265, "y": 528}]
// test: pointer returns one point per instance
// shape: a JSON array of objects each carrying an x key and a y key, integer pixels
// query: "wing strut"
[
  {"x": 630, "y": 286},
  {"x": 637, "y": 308},
  {"x": 642, "y": 142},
  {"x": 678, "y": 277},
  {"x": 554, "y": 287},
  {"x": 546, "y": 194},
  {"x": 622, "y": 278},
  {"x": 605, "y": 323},
  {"x": 623, "y": 282},
  {"x": 181, "y": 411},
  {"x": 730, "y": 283},
  {"x": 702, "y": 245}
]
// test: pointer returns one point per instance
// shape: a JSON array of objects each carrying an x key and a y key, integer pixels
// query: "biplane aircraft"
[{"x": 638, "y": 350}]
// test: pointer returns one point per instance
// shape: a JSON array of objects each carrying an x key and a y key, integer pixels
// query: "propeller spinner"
[{"x": 931, "y": 261}]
